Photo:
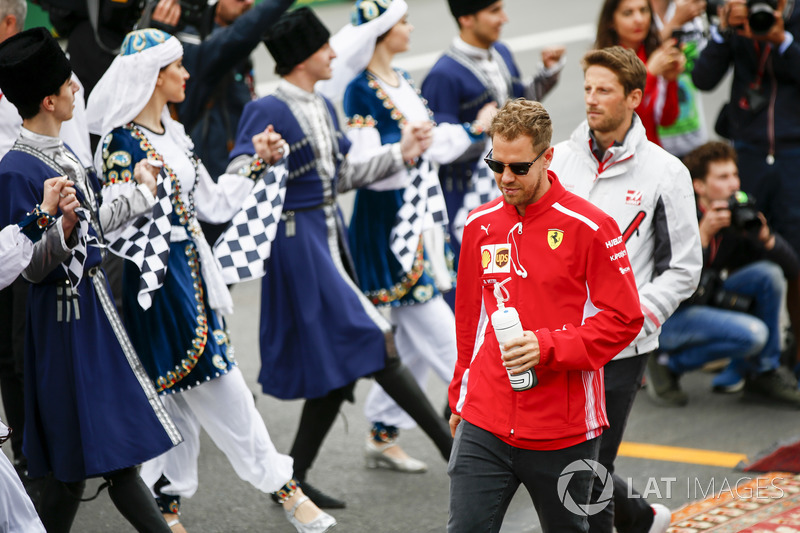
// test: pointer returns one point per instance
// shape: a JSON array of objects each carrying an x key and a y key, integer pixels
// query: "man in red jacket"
[{"x": 564, "y": 267}]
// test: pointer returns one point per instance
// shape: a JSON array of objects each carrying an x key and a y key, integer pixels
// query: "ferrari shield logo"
[{"x": 554, "y": 238}]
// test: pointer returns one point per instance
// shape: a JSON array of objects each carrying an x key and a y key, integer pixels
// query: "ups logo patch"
[
  {"x": 501, "y": 257},
  {"x": 496, "y": 258}
]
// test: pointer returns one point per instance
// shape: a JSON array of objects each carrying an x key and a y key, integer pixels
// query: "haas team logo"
[
  {"x": 496, "y": 258},
  {"x": 633, "y": 197},
  {"x": 554, "y": 238}
]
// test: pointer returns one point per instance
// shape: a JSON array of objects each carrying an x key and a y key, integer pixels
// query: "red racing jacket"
[{"x": 572, "y": 285}]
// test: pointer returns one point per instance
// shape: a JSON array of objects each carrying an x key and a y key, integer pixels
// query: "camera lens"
[{"x": 761, "y": 15}]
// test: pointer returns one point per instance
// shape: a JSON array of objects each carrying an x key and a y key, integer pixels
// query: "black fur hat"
[
  {"x": 468, "y": 7},
  {"x": 295, "y": 37},
  {"x": 32, "y": 66}
]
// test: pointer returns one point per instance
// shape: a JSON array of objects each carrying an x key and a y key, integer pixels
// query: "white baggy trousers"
[{"x": 225, "y": 408}]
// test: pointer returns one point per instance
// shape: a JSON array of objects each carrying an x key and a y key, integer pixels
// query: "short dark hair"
[
  {"x": 523, "y": 117},
  {"x": 283, "y": 70},
  {"x": 28, "y": 110},
  {"x": 630, "y": 70},
  {"x": 699, "y": 159}
]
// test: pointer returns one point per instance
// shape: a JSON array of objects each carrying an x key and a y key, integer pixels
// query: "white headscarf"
[
  {"x": 354, "y": 46},
  {"x": 119, "y": 96},
  {"x": 129, "y": 82}
]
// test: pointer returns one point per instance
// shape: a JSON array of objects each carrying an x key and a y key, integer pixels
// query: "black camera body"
[
  {"x": 761, "y": 15},
  {"x": 710, "y": 292},
  {"x": 731, "y": 301},
  {"x": 196, "y": 13},
  {"x": 744, "y": 215}
]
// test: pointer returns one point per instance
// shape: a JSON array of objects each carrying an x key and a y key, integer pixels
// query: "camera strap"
[
  {"x": 762, "y": 64},
  {"x": 93, "y": 7},
  {"x": 754, "y": 95},
  {"x": 713, "y": 247}
]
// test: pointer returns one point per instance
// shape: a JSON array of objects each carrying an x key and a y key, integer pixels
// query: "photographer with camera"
[
  {"x": 735, "y": 311},
  {"x": 217, "y": 56},
  {"x": 217, "y": 45},
  {"x": 758, "y": 38}
]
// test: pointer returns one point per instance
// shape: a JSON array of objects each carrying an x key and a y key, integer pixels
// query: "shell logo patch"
[
  {"x": 486, "y": 258},
  {"x": 555, "y": 238},
  {"x": 496, "y": 258}
]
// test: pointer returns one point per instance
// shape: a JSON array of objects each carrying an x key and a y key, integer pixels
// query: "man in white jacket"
[{"x": 609, "y": 161}]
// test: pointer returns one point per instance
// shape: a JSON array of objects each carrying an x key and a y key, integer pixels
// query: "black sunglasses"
[{"x": 520, "y": 169}]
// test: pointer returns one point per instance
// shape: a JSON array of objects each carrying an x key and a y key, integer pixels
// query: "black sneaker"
[
  {"x": 778, "y": 385},
  {"x": 662, "y": 384}
]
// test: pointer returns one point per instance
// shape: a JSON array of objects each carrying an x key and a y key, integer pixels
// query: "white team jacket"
[{"x": 649, "y": 193}]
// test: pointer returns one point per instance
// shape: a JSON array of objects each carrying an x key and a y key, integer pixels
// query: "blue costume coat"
[
  {"x": 456, "y": 94},
  {"x": 318, "y": 332},
  {"x": 86, "y": 412},
  {"x": 180, "y": 339},
  {"x": 380, "y": 274}
]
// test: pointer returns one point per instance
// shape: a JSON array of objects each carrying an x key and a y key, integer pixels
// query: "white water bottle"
[{"x": 507, "y": 326}]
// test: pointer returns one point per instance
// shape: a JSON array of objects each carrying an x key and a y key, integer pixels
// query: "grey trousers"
[{"x": 485, "y": 472}]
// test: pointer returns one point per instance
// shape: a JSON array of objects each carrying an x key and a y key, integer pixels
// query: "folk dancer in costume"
[
  {"x": 397, "y": 228},
  {"x": 90, "y": 409},
  {"x": 173, "y": 310},
  {"x": 319, "y": 333},
  {"x": 475, "y": 71},
  {"x": 16, "y": 251},
  {"x": 13, "y": 299}
]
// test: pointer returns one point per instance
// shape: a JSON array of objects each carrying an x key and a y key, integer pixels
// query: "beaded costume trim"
[
  {"x": 254, "y": 170},
  {"x": 401, "y": 288},
  {"x": 357, "y": 121},
  {"x": 374, "y": 84},
  {"x": 186, "y": 214},
  {"x": 201, "y": 330}
]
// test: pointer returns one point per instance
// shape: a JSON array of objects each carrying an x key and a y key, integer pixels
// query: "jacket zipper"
[
  {"x": 514, "y": 394},
  {"x": 602, "y": 168}
]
